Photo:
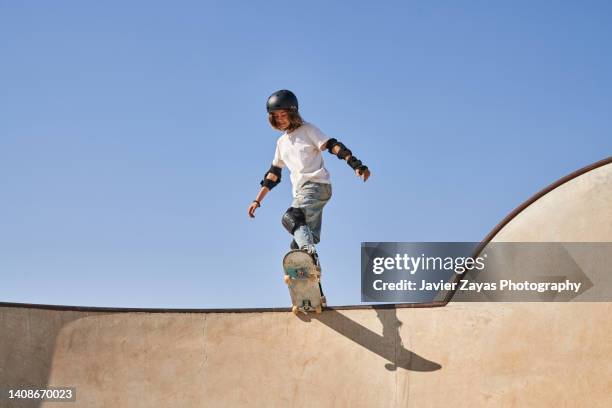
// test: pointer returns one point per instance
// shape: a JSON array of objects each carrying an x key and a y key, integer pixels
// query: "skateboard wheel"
[
  {"x": 319, "y": 309},
  {"x": 287, "y": 279},
  {"x": 295, "y": 310}
]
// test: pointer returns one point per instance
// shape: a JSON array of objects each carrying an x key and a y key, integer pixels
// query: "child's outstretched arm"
[
  {"x": 270, "y": 180},
  {"x": 339, "y": 149}
]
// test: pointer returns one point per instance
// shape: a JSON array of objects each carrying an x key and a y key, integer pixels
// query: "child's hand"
[
  {"x": 365, "y": 175},
  {"x": 252, "y": 209}
]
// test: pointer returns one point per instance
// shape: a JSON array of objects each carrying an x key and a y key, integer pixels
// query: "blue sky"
[{"x": 134, "y": 135}]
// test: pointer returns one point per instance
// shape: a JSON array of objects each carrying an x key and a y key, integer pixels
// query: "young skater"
[{"x": 299, "y": 149}]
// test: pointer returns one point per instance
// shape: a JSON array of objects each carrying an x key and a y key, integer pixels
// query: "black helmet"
[{"x": 282, "y": 99}]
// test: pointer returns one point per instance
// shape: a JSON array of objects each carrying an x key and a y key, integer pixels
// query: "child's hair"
[{"x": 295, "y": 121}]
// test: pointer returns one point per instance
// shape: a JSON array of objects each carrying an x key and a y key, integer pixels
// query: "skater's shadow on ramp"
[{"x": 389, "y": 346}]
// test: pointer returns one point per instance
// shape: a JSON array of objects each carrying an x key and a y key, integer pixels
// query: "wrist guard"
[
  {"x": 356, "y": 164},
  {"x": 345, "y": 152}
]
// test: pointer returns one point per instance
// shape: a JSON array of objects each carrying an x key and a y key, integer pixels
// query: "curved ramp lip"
[
  {"x": 514, "y": 213},
  {"x": 541, "y": 194},
  {"x": 443, "y": 303},
  {"x": 67, "y": 308}
]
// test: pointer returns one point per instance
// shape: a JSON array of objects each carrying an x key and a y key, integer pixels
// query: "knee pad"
[{"x": 293, "y": 218}]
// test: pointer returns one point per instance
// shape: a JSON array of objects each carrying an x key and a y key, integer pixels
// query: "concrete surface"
[{"x": 464, "y": 355}]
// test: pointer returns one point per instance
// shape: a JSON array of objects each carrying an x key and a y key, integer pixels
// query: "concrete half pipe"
[{"x": 484, "y": 354}]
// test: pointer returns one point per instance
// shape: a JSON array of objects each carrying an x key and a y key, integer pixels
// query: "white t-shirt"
[{"x": 300, "y": 151}]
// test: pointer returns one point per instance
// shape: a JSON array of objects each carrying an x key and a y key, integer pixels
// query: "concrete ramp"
[
  {"x": 461, "y": 355},
  {"x": 464, "y": 355}
]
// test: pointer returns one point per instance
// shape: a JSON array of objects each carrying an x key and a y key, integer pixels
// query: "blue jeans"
[{"x": 311, "y": 197}]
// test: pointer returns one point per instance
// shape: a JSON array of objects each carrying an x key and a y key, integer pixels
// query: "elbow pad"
[
  {"x": 343, "y": 153},
  {"x": 277, "y": 171}
]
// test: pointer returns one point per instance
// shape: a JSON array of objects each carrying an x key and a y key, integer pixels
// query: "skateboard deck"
[{"x": 303, "y": 277}]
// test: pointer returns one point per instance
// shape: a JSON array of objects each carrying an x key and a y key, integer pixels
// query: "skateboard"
[{"x": 303, "y": 277}]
